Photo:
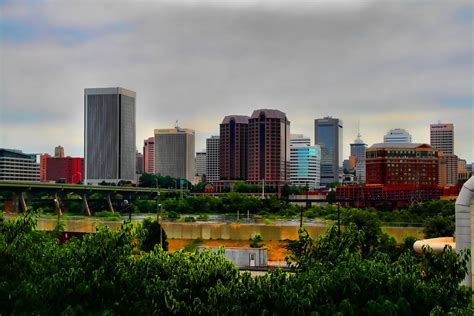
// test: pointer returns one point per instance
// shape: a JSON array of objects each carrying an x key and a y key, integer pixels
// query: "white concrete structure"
[
  {"x": 464, "y": 222},
  {"x": 305, "y": 161},
  {"x": 174, "y": 153},
  {"x": 243, "y": 257},
  {"x": 397, "y": 135},
  {"x": 201, "y": 161}
]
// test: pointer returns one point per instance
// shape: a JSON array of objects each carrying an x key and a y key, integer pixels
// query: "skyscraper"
[
  {"x": 201, "y": 161},
  {"x": 304, "y": 163},
  {"x": 328, "y": 135},
  {"x": 442, "y": 138},
  {"x": 397, "y": 135},
  {"x": 174, "y": 153},
  {"x": 233, "y": 147},
  {"x": 212, "y": 161},
  {"x": 149, "y": 154},
  {"x": 109, "y": 134},
  {"x": 269, "y": 147},
  {"x": 358, "y": 149}
]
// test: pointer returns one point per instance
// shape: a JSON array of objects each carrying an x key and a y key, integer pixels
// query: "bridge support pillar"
[
  {"x": 57, "y": 203},
  {"x": 109, "y": 202},
  {"x": 24, "y": 207},
  {"x": 85, "y": 205}
]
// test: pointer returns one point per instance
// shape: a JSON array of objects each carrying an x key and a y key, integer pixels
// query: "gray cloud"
[{"x": 385, "y": 64}]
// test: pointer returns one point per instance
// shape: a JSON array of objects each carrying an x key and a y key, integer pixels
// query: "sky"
[{"x": 376, "y": 65}]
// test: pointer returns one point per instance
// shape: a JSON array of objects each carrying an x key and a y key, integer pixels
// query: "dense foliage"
[{"x": 108, "y": 273}]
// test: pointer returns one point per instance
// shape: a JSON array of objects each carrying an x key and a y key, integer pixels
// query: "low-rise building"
[{"x": 18, "y": 166}]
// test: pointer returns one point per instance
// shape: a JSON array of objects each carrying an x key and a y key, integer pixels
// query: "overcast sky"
[{"x": 380, "y": 64}]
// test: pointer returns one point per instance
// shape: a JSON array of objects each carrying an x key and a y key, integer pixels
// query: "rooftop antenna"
[{"x": 358, "y": 128}]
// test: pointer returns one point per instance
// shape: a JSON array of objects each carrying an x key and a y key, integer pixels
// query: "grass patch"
[{"x": 108, "y": 215}]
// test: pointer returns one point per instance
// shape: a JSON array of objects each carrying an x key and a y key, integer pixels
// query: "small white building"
[{"x": 243, "y": 257}]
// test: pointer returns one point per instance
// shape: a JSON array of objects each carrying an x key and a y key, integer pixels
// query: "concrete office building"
[
  {"x": 149, "y": 154},
  {"x": 304, "y": 163},
  {"x": 397, "y": 135},
  {"x": 201, "y": 161},
  {"x": 140, "y": 163},
  {"x": 109, "y": 132},
  {"x": 17, "y": 166},
  {"x": 233, "y": 148},
  {"x": 358, "y": 150},
  {"x": 269, "y": 148},
  {"x": 212, "y": 159},
  {"x": 328, "y": 135},
  {"x": 174, "y": 153},
  {"x": 442, "y": 138}
]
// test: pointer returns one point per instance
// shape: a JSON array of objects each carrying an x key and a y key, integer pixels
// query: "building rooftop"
[
  {"x": 270, "y": 113},
  {"x": 239, "y": 119},
  {"x": 14, "y": 153},
  {"x": 175, "y": 130},
  {"x": 400, "y": 145},
  {"x": 112, "y": 90}
]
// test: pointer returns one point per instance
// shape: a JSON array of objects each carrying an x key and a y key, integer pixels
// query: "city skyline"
[{"x": 394, "y": 65}]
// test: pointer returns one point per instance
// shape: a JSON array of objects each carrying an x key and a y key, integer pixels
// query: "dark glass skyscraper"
[
  {"x": 109, "y": 135},
  {"x": 328, "y": 134},
  {"x": 233, "y": 147}
]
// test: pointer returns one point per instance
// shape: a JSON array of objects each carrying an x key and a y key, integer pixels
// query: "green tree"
[{"x": 152, "y": 234}]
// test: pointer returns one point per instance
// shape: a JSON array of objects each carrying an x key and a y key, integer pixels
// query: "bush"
[
  {"x": 203, "y": 217},
  {"x": 192, "y": 246},
  {"x": 172, "y": 215},
  {"x": 256, "y": 241},
  {"x": 189, "y": 219},
  {"x": 151, "y": 235}
]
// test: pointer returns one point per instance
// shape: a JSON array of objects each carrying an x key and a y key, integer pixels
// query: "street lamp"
[{"x": 129, "y": 207}]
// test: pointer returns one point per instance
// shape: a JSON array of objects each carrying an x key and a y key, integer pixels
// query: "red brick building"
[
  {"x": 69, "y": 169},
  {"x": 233, "y": 147},
  {"x": 377, "y": 194},
  {"x": 397, "y": 174},
  {"x": 269, "y": 150},
  {"x": 402, "y": 164},
  {"x": 149, "y": 154}
]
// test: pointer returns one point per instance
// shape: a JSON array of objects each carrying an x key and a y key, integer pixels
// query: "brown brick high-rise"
[
  {"x": 269, "y": 138},
  {"x": 233, "y": 151}
]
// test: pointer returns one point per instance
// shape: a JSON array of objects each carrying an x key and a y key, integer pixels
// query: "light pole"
[{"x": 129, "y": 207}]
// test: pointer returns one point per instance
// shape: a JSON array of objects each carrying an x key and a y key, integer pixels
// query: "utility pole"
[
  {"x": 338, "y": 219},
  {"x": 263, "y": 188}
]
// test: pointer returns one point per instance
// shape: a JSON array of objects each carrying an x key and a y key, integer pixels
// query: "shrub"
[{"x": 256, "y": 241}]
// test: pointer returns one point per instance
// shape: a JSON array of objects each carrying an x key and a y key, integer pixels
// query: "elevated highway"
[{"x": 19, "y": 188}]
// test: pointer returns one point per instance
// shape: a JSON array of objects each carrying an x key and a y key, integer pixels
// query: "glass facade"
[{"x": 328, "y": 135}]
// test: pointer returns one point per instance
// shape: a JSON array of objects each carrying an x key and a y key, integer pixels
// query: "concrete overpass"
[{"x": 19, "y": 188}]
